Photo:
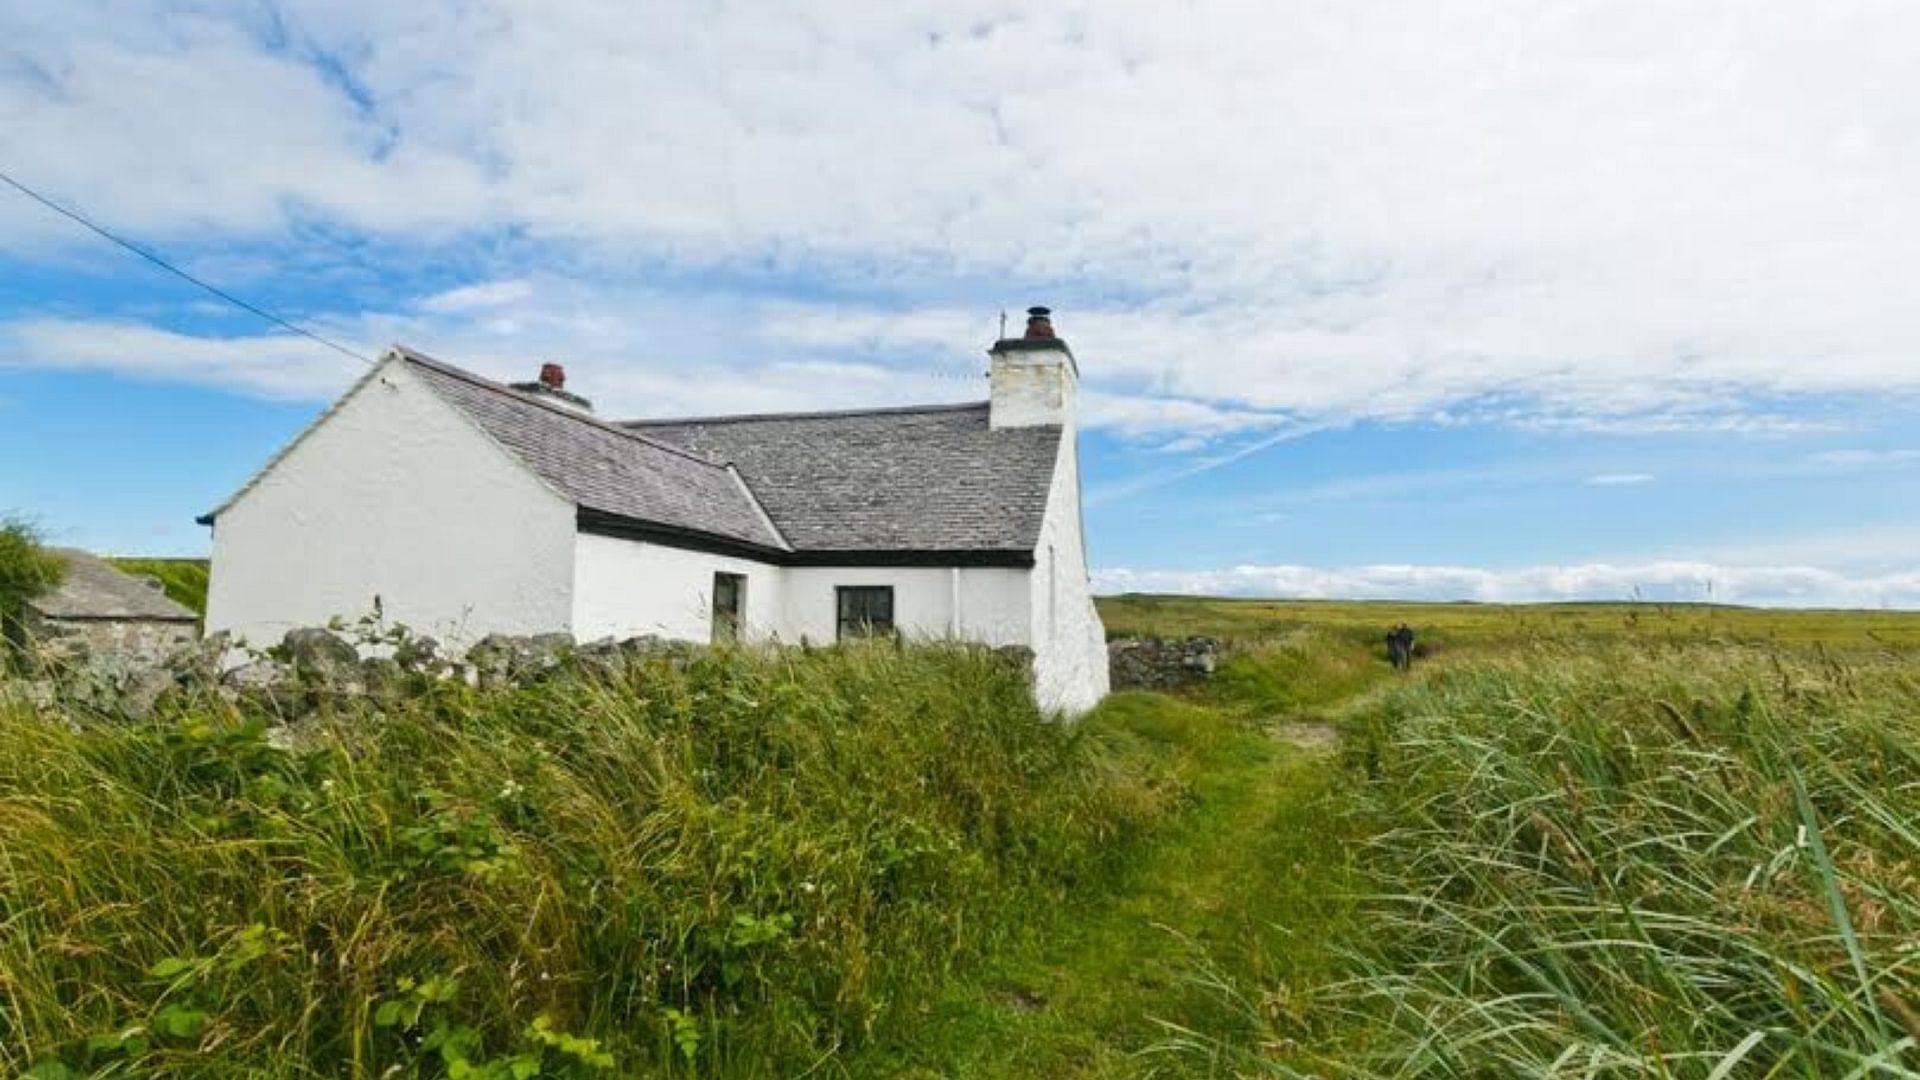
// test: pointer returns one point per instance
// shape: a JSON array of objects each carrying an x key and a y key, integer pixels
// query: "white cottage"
[{"x": 464, "y": 507}]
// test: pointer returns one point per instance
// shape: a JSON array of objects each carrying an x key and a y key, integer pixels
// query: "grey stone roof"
[
  {"x": 927, "y": 479},
  {"x": 93, "y": 589},
  {"x": 605, "y": 468}
]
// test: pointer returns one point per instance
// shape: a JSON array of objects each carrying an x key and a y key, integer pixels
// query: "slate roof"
[
  {"x": 602, "y": 467},
  {"x": 931, "y": 480},
  {"x": 927, "y": 479},
  {"x": 93, "y": 589}
]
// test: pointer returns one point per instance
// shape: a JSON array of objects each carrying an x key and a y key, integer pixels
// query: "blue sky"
[{"x": 1369, "y": 300}]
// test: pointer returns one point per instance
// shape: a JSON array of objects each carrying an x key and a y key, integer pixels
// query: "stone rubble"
[{"x": 1151, "y": 663}]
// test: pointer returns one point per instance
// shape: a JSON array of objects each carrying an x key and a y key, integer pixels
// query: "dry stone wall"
[{"x": 1150, "y": 663}]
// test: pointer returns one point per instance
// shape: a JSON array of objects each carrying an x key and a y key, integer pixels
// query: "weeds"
[
  {"x": 729, "y": 865},
  {"x": 1635, "y": 862}
]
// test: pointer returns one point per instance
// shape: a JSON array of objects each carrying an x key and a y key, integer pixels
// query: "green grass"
[
  {"x": 1612, "y": 858},
  {"x": 185, "y": 580},
  {"x": 1104, "y": 986},
  {"x": 745, "y": 865},
  {"x": 1581, "y": 840}
]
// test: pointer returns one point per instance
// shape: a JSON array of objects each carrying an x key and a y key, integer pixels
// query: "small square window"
[{"x": 865, "y": 610}]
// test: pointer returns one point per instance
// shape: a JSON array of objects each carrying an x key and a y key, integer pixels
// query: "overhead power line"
[{"x": 163, "y": 264}]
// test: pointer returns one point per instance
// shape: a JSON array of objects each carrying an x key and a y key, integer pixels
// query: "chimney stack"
[
  {"x": 551, "y": 387},
  {"x": 1034, "y": 378}
]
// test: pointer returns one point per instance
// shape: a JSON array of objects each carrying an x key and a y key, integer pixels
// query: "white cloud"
[
  {"x": 1627, "y": 216},
  {"x": 479, "y": 297},
  {"x": 1781, "y": 585},
  {"x": 1618, "y": 479},
  {"x": 1867, "y": 459},
  {"x": 271, "y": 366}
]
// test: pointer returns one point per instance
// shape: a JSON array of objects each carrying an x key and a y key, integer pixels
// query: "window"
[
  {"x": 865, "y": 610},
  {"x": 729, "y": 601}
]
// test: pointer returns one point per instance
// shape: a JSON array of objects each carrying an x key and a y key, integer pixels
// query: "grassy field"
[
  {"x": 1492, "y": 626},
  {"x": 1582, "y": 840},
  {"x": 185, "y": 580}
]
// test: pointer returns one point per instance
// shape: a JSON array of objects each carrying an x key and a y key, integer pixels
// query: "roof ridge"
[
  {"x": 414, "y": 356},
  {"x": 822, "y": 414}
]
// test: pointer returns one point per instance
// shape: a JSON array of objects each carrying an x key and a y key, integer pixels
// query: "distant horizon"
[{"x": 1563, "y": 602}]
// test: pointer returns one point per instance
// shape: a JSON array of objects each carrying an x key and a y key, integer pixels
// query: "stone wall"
[
  {"x": 138, "y": 641},
  {"x": 1148, "y": 663}
]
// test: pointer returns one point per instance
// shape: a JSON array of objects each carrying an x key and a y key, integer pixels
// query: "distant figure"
[{"x": 1400, "y": 647}]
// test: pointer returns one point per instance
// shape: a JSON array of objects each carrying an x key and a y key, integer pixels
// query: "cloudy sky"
[{"x": 1428, "y": 299}]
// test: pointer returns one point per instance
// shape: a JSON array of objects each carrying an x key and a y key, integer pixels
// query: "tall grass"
[
  {"x": 27, "y": 569},
  {"x": 1698, "y": 862},
  {"x": 735, "y": 865},
  {"x": 183, "y": 580}
]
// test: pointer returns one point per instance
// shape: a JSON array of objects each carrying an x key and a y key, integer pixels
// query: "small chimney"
[
  {"x": 551, "y": 387},
  {"x": 1034, "y": 379}
]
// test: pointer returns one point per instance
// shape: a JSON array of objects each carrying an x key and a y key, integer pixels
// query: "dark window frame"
[
  {"x": 727, "y": 624},
  {"x": 863, "y": 611}
]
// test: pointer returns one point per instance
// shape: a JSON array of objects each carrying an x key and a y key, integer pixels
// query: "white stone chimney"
[{"x": 1034, "y": 378}]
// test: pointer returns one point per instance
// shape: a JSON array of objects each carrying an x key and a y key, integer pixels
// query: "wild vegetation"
[
  {"x": 27, "y": 569},
  {"x": 184, "y": 580},
  {"x": 1630, "y": 861},
  {"x": 1587, "y": 840},
  {"x": 741, "y": 865}
]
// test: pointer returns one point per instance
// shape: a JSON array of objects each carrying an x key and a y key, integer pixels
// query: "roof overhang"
[{"x": 600, "y": 523}]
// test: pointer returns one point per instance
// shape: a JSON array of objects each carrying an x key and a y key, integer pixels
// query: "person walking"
[{"x": 1400, "y": 647}]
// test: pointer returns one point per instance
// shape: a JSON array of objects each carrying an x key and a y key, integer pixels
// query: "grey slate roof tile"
[
  {"x": 603, "y": 467},
  {"x": 929, "y": 479}
]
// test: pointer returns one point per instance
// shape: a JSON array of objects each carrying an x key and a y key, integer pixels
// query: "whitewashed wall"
[
  {"x": 992, "y": 605},
  {"x": 625, "y": 588},
  {"x": 1069, "y": 642},
  {"x": 397, "y": 495}
]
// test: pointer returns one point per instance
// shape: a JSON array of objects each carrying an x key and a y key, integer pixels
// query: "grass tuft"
[{"x": 740, "y": 866}]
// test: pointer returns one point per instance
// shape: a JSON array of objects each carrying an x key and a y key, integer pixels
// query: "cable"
[{"x": 176, "y": 271}]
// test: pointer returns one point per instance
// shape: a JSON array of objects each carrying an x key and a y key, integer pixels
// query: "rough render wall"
[
  {"x": 394, "y": 495},
  {"x": 1031, "y": 390},
  {"x": 992, "y": 602},
  {"x": 1069, "y": 641},
  {"x": 627, "y": 588},
  {"x": 624, "y": 588}
]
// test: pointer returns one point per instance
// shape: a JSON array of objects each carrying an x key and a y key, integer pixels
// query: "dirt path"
[{"x": 1102, "y": 989}]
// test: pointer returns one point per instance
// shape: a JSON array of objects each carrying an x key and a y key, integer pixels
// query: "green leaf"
[
  {"x": 131, "y": 1042},
  {"x": 181, "y": 1022},
  {"x": 172, "y": 966},
  {"x": 1836, "y": 900}
]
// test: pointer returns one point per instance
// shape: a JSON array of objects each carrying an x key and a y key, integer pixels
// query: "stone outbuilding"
[{"x": 97, "y": 610}]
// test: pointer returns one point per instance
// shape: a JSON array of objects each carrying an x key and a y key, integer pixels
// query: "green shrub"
[
  {"x": 27, "y": 569},
  {"x": 738, "y": 864}
]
